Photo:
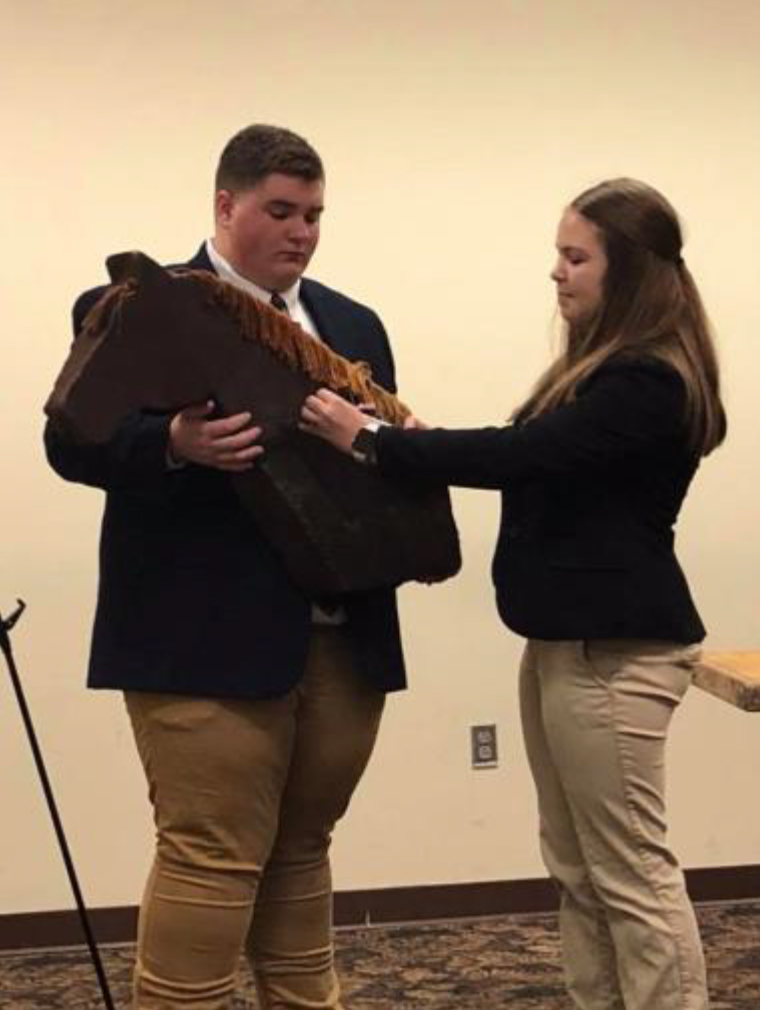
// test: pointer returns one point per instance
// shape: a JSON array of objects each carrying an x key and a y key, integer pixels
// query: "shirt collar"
[{"x": 228, "y": 273}]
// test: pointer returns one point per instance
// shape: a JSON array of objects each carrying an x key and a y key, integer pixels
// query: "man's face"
[{"x": 268, "y": 233}]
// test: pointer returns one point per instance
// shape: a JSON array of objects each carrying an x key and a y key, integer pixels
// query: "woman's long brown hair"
[{"x": 650, "y": 308}]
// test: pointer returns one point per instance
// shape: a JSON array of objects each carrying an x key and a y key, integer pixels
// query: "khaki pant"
[
  {"x": 595, "y": 717},
  {"x": 245, "y": 797}
]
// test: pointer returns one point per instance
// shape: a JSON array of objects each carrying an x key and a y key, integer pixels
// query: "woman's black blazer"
[{"x": 591, "y": 492}]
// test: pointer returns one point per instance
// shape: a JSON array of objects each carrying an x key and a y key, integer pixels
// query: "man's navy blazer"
[{"x": 191, "y": 598}]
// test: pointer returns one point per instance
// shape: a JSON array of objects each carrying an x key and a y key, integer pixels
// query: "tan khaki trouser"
[
  {"x": 245, "y": 796},
  {"x": 595, "y": 717}
]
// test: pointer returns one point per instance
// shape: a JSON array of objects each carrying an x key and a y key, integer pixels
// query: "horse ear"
[{"x": 135, "y": 266}]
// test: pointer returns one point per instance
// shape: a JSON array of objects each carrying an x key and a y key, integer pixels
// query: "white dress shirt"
[{"x": 291, "y": 297}]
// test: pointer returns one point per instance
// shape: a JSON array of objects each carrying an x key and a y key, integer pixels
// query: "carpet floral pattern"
[{"x": 484, "y": 964}]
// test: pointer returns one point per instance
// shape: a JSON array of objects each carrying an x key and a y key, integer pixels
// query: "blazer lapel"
[
  {"x": 328, "y": 324},
  {"x": 201, "y": 261}
]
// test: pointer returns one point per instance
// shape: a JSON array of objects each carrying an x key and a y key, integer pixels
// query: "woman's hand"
[
  {"x": 414, "y": 422},
  {"x": 334, "y": 419}
]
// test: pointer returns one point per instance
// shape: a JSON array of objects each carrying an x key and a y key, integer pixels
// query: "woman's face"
[{"x": 580, "y": 267}]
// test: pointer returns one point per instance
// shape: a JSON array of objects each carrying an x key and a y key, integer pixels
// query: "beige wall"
[{"x": 453, "y": 133}]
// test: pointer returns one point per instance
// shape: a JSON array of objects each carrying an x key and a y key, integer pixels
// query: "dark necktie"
[{"x": 279, "y": 303}]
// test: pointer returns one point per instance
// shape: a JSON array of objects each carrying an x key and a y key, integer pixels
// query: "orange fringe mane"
[
  {"x": 281, "y": 335},
  {"x": 297, "y": 349}
]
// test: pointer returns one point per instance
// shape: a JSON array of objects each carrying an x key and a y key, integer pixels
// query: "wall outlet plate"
[{"x": 483, "y": 746}]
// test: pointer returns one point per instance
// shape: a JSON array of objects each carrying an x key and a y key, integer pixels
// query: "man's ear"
[{"x": 224, "y": 201}]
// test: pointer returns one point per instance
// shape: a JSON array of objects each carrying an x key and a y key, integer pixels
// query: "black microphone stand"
[{"x": 5, "y": 643}]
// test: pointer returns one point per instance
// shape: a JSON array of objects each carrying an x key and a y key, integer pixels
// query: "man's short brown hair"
[{"x": 259, "y": 150}]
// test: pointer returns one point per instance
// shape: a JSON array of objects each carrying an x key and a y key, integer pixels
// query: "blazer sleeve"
[
  {"x": 134, "y": 458},
  {"x": 624, "y": 411}
]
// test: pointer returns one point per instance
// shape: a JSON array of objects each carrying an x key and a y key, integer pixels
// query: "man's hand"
[{"x": 225, "y": 443}]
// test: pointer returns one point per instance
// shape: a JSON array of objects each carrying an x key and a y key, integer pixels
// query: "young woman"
[{"x": 593, "y": 471}]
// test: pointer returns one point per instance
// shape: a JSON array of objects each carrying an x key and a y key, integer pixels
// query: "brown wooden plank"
[{"x": 732, "y": 676}]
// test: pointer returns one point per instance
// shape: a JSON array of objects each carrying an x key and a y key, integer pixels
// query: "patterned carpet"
[{"x": 483, "y": 964}]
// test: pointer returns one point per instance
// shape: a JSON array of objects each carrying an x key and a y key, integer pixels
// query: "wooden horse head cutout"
[{"x": 159, "y": 340}]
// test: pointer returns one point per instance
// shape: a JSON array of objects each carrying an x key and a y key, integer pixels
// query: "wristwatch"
[{"x": 364, "y": 445}]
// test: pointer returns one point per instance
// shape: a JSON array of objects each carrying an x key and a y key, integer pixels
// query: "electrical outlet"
[{"x": 483, "y": 745}]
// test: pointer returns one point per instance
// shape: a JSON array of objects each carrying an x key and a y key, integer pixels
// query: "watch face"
[{"x": 363, "y": 445}]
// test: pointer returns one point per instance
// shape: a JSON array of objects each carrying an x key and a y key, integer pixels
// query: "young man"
[{"x": 254, "y": 710}]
